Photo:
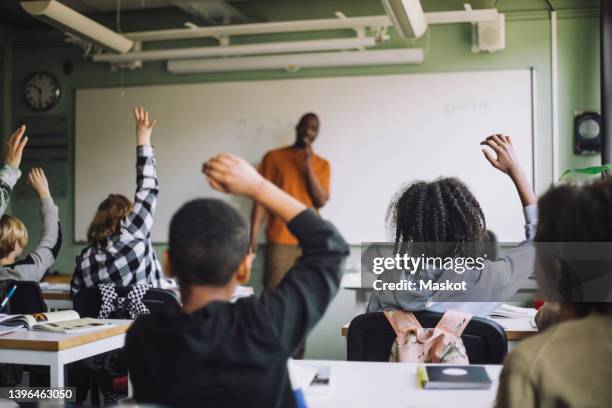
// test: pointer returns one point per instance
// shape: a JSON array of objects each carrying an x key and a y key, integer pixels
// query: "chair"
[
  {"x": 87, "y": 301},
  {"x": 27, "y": 298},
  {"x": 370, "y": 337}
]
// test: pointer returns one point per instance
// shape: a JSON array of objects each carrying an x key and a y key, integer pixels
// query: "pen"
[{"x": 8, "y": 297}]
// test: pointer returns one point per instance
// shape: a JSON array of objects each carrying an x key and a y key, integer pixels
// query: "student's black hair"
[
  {"x": 570, "y": 214},
  {"x": 442, "y": 211},
  {"x": 208, "y": 241}
]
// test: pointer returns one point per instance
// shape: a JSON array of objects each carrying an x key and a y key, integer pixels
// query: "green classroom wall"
[
  {"x": 448, "y": 48},
  {"x": 6, "y": 48}
]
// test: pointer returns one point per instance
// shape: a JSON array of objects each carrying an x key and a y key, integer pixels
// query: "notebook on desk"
[
  {"x": 446, "y": 377},
  {"x": 513, "y": 312}
]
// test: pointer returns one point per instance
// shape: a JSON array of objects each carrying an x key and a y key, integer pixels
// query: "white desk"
[
  {"x": 364, "y": 384},
  {"x": 57, "y": 300},
  {"x": 56, "y": 292},
  {"x": 57, "y": 350},
  {"x": 516, "y": 329}
]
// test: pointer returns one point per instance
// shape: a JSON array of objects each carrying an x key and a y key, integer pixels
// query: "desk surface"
[
  {"x": 57, "y": 279},
  {"x": 516, "y": 329},
  {"x": 55, "y": 295},
  {"x": 43, "y": 341},
  {"x": 365, "y": 384},
  {"x": 56, "y": 288}
]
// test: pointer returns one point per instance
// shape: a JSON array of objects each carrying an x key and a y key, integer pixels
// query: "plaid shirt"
[{"x": 127, "y": 258}]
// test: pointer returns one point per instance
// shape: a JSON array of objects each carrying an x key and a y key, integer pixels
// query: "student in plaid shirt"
[{"x": 120, "y": 250}]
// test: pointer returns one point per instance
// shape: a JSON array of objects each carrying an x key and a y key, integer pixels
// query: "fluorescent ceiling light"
[
  {"x": 246, "y": 49},
  {"x": 296, "y": 61},
  {"x": 349, "y": 23},
  {"x": 66, "y": 19},
  {"x": 407, "y": 17}
]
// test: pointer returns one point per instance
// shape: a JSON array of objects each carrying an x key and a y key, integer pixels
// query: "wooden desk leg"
[{"x": 56, "y": 369}]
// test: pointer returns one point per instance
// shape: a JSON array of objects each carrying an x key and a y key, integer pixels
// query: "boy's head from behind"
[
  {"x": 574, "y": 237},
  {"x": 570, "y": 213},
  {"x": 208, "y": 244},
  {"x": 107, "y": 221},
  {"x": 441, "y": 211},
  {"x": 13, "y": 237}
]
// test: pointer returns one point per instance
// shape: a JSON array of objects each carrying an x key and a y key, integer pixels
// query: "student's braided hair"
[{"x": 442, "y": 211}]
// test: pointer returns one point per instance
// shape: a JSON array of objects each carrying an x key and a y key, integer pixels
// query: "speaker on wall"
[
  {"x": 491, "y": 35},
  {"x": 587, "y": 133}
]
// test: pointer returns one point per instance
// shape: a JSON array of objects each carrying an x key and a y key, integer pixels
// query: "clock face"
[{"x": 42, "y": 91}]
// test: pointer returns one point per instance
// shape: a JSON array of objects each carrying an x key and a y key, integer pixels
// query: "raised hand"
[
  {"x": 38, "y": 181},
  {"x": 144, "y": 126},
  {"x": 232, "y": 174},
  {"x": 505, "y": 159},
  {"x": 15, "y": 146}
]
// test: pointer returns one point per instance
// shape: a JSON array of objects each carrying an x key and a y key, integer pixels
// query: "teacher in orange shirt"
[{"x": 304, "y": 175}]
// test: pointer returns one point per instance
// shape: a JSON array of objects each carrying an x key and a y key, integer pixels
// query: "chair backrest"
[
  {"x": 87, "y": 301},
  {"x": 27, "y": 299},
  {"x": 370, "y": 338}
]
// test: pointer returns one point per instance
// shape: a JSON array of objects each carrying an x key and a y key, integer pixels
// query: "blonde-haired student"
[
  {"x": 13, "y": 232},
  {"x": 14, "y": 237},
  {"x": 120, "y": 250},
  {"x": 9, "y": 171}
]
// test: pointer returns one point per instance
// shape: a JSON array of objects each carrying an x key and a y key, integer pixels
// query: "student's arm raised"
[
  {"x": 258, "y": 215},
  {"x": 34, "y": 266},
  {"x": 9, "y": 173},
  {"x": 140, "y": 219},
  {"x": 303, "y": 295},
  {"x": 509, "y": 271},
  {"x": 507, "y": 162}
]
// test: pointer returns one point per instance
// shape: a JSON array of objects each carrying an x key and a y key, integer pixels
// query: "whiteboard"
[{"x": 378, "y": 132}]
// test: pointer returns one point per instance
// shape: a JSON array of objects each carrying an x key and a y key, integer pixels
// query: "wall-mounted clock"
[{"x": 42, "y": 91}]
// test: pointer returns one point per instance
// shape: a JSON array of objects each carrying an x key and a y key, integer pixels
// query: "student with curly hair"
[{"x": 443, "y": 219}]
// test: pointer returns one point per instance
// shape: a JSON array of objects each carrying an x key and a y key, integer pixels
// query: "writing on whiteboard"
[
  {"x": 474, "y": 105},
  {"x": 249, "y": 129}
]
